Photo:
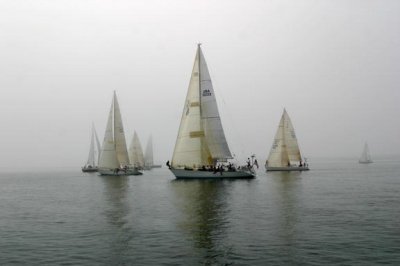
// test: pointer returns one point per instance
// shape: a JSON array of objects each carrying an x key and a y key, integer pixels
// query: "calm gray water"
[{"x": 339, "y": 213}]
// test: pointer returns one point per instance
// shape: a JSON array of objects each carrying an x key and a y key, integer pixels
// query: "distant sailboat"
[
  {"x": 201, "y": 145},
  {"x": 94, "y": 153},
  {"x": 365, "y": 156},
  {"x": 285, "y": 153},
  {"x": 114, "y": 159},
  {"x": 136, "y": 153},
  {"x": 148, "y": 156}
]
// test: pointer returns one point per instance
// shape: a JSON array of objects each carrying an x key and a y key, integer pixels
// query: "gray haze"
[{"x": 334, "y": 65}]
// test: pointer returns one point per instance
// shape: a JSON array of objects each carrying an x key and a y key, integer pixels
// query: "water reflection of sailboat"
[
  {"x": 116, "y": 212},
  {"x": 288, "y": 187},
  {"x": 204, "y": 209}
]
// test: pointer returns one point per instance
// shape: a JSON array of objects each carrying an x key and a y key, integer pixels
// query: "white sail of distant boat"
[
  {"x": 94, "y": 153},
  {"x": 148, "y": 155},
  {"x": 136, "y": 153},
  {"x": 285, "y": 152},
  {"x": 365, "y": 155},
  {"x": 201, "y": 140},
  {"x": 114, "y": 159}
]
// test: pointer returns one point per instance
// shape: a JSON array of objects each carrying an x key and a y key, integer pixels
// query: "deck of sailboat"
[{"x": 198, "y": 174}]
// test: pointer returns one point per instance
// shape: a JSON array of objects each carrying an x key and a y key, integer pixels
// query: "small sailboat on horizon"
[
  {"x": 285, "y": 152},
  {"x": 148, "y": 156},
  {"x": 114, "y": 158},
  {"x": 365, "y": 155},
  {"x": 94, "y": 153},
  {"x": 201, "y": 150}
]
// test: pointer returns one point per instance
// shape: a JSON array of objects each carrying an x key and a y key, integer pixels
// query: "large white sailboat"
[
  {"x": 201, "y": 150},
  {"x": 136, "y": 152},
  {"x": 365, "y": 155},
  {"x": 114, "y": 159},
  {"x": 94, "y": 153},
  {"x": 285, "y": 153},
  {"x": 148, "y": 156}
]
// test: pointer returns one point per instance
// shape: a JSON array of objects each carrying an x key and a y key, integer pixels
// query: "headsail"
[
  {"x": 214, "y": 132},
  {"x": 285, "y": 148}
]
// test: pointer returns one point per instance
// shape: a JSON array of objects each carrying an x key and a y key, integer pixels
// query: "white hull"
[
  {"x": 89, "y": 169},
  {"x": 287, "y": 168},
  {"x": 195, "y": 174},
  {"x": 113, "y": 172}
]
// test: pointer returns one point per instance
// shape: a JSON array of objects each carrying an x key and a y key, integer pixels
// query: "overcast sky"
[{"x": 334, "y": 65}]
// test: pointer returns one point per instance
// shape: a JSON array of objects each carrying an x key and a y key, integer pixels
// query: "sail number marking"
[{"x": 206, "y": 93}]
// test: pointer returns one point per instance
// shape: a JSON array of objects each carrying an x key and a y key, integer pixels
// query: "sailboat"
[
  {"x": 285, "y": 153},
  {"x": 201, "y": 150},
  {"x": 365, "y": 156},
  {"x": 148, "y": 156},
  {"x": 92, "y": 161},
  {"x": 136, "y": 153},
  {"x": 114, "y": 159}
]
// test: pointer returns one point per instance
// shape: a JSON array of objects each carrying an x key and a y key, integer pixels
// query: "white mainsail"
[
  {"x": 201, "y": 139},
  {"x": 97, "y": 144},
  {"x": 93, "y": 160},
  {"x": 365, "y": 156},
  {"x": 148, "y": 156},
  {"x": 114, "y": 153},
  {"x": 285, "y": 148},
  {"x": 135, "y": 152}
]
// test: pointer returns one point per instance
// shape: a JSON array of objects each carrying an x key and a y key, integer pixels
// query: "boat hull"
[
  {"x": 365, "y": 162},
  {"x": 112, "y": 172},
  {"x": 195, "y": 174},
  {"x": 89, "y": 170},
  {"x": 287, "y": 168}
]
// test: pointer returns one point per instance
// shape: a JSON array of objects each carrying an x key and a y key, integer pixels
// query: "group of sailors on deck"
[
  {"x": 301, "y": 164},
  {"x": 123, "y": 169},
  {"x": 219, "y": 168}
]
